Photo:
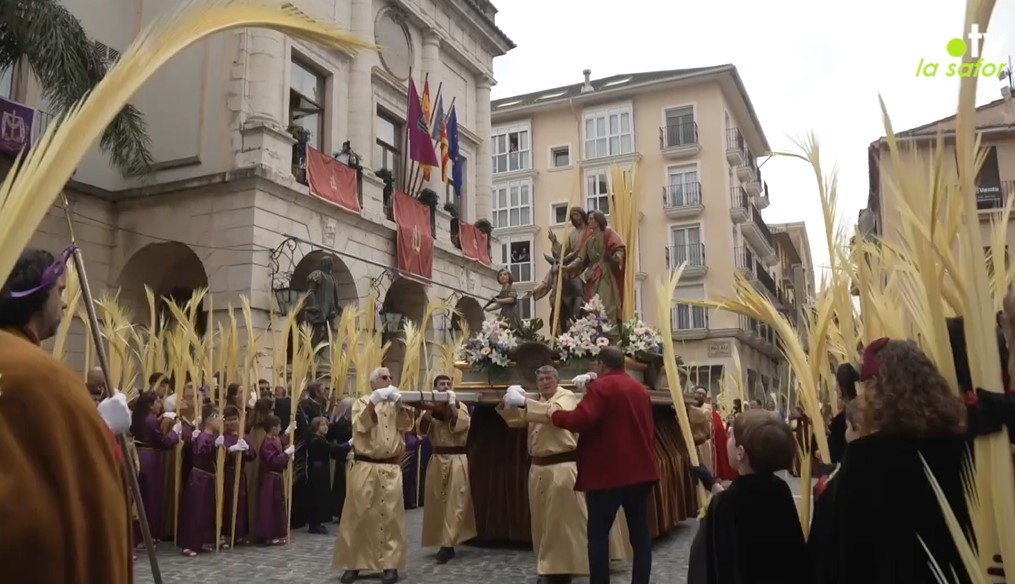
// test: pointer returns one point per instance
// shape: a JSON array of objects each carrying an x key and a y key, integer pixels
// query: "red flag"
[
  {"x": 332, "y": 181},
  {"x": 414, "y": 242},
  {"x": 474, "y": 243},
  {"x": 420, "y": 143}
]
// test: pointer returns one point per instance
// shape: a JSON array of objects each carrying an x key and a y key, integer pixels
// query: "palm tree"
[{"x": 49, "y": 39}]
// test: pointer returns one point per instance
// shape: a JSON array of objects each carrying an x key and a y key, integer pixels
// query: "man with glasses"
[{"x": 371, "y": 536}]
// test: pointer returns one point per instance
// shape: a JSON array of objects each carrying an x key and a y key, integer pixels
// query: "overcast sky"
[{"x": 807, "y": 65}]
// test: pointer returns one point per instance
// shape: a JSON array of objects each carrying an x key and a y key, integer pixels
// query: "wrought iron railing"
[
  {"x": 684, "y": 133},
  {"x": 678, "y": 195}
]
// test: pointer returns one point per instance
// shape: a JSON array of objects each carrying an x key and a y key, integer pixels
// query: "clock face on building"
[{"x": 394, "y": 43}]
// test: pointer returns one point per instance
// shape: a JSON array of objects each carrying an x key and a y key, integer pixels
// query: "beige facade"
[
  {"x": 995, "y": 122},
  {"x": 225, "y": 193},
  {"x": 694, "y": 138}
]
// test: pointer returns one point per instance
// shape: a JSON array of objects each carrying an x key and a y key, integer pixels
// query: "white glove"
[
  {"x": 290, "y": 451},
  {"x": 115, "y": 411},
  {"x": 289, "y": 430},
  {"x": 349, "y": 443},
  {"x": 195, "y": 435},
  {"x": 378, "y": 395},
  {"x": 252, "y": 401},
  {"x": 178, "y": 428},
  {"x": 452, "y": 398},
  {"x": 169, "y": 415},
  {"x": 515, "y": 396},
  {"x": 393, "y": 393},
  {"x": 240, "y": 446},
  {"x": 220, "y": 441},
  {"x": 582, "y": 380}
]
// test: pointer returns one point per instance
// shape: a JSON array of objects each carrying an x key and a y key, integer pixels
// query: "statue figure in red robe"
[{"x": 600, "y": 263}]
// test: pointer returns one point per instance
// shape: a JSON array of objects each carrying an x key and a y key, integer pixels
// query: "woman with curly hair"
[{"x": 882, "y": 510}]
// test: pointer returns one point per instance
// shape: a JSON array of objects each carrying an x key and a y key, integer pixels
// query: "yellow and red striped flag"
[{"x": 427, "y": 117}]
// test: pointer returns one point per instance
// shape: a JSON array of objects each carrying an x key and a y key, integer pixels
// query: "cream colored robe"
[
  {"x": 448, "y": 516},
  {"x": 371, "y": 535},
  {"x": 559, "y": 517},
  {"x": 705, "y": 449}
]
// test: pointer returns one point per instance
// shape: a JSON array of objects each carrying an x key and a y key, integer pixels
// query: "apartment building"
[
  {"x": 995, "y": 183},
  {"x": 229, "y": 208},
  {"x": 694, "y": 138}
]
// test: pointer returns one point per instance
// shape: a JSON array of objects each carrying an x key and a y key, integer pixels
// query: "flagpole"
[
  {"x": 406, "y": 160},
  {"x": 451, "y": 175},
  {"x": 103, "y": 358}
]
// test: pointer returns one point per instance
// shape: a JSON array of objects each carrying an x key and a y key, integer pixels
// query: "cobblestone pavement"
[{"x": 308, "y": 561}]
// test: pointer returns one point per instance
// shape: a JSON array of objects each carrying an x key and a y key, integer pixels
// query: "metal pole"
[{"x": 100, "y": 352}]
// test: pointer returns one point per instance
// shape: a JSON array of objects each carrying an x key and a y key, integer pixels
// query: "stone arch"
[
  {"x": 171, "y": 269},
  {"x": 469, "y": 312},
  {"x": 407, "y": 298}
]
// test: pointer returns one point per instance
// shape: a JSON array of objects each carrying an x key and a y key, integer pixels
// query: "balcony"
[
  {"x": 693, "y": 254},
  {"x": 767, "y": 281},
  {"x": 679, "y": 140},
  {"x": 682, "y": 200},
  {"x": 754, "y": 185},
  {"x": 738, "y": 205},
  {"x": 689, "y": 322},
  {"x": 756, "y": 231},
  {"x": 743, "y": 258},
  {"x": 748, "y": 171},
  {"x": 761, "y": 200},
  {"x": 992, "y": 200},
  {"x": 759, "y": 335},
  {"x": 736, "y": 147}
]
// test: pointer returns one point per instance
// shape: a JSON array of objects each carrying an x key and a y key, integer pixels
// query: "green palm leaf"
[{"x": 50, "y": 40}]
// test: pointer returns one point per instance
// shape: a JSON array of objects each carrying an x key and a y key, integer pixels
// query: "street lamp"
[
  {"x": 391, "y": 321},
  {"x": 286, "y": 298}
]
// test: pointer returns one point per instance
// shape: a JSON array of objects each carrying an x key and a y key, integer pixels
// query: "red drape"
[
  {"x": 414, "y": 242},
  {"x": 332, "y": 181}
]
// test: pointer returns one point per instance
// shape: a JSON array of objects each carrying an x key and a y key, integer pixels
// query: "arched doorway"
[
  {"x": 468, "y": 312},
  {"x": 404, "y": 301},
  {"x": 173, "y": 272},
  {"x": 345, "y": 293}
]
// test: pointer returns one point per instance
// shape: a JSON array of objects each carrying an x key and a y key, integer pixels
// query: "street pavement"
[{"x": 308, "y": 560}]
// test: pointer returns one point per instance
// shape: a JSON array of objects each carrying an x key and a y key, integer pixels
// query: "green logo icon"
[{"x": 959, "y": 48}]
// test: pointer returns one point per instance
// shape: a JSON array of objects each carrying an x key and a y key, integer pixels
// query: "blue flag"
[{"x": 456, "y": 159}]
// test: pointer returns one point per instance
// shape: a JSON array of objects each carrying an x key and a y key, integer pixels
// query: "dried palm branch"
[
  {"x": 410, "y": 361},
  {"x": 342, "y": 347},
  {"x": 625, "y": 209},
  {"x": 666, "y": 291},
  {"x": 249, "y": 380},
  {"x": 574, "y": 200},
  {"x": 27, "y": 193},
  {"x": 72, "y": 290}
]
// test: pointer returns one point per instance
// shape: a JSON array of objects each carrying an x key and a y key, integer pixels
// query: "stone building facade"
[{"x": 226, "y": 202}]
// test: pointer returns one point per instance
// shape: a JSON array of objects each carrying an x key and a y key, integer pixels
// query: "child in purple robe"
[
  {"x": 151, "y": 442},
  {"x": 197, "y": 519},
  {"x": 235, "y": 445},
  {"x": 272, "y": 517}
]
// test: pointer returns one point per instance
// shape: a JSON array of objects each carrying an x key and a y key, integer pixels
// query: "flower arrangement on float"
[
  {"x": 640, "y": 341},
  {"x": 490, "y": 347},
  {"x": 588, "y": 334}
]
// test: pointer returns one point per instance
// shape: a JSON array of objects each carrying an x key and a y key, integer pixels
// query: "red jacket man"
[{"x": 616, "y": 461}]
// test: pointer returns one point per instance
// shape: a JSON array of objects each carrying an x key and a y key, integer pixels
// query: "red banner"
[
  {"x": 414, "y": 241},
  {"x": 332, "y": 181},
  {"x": 474, "y": 243}
]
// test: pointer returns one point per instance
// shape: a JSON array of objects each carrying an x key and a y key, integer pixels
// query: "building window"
[
  {"x": 558, "y": 213},
  {"x": 7, "y": 83},
  {"x": 597, "y": 192},
  {"x": 689, "y": 317},
  {"x": 306, "y": 101},
  {"x": 683, "y": 187},
  {"x": 525, "y": 308},
  {"x": 388, "y": 147},
  {"x": 511, "y": 150},
  {"x": 512, "y": 204},
  {"x": 680, "y": 128},
  {"x": 517, "y": 257},
  {"x": 609, "y": 132},
  {"x": 685, "y": 246},
  {"x": 560, "y": 156}
]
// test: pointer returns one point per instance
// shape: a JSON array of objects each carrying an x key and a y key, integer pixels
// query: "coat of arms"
[{"x": 417, "y": 239}]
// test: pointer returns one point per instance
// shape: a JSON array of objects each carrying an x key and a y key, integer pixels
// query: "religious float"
[{"x": 499, "y": 355}]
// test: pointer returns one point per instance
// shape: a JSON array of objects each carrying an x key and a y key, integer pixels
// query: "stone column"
[
  {"x": 264, "y": 139},
  {"x": 483, "y": 190},
  {"x": 361, "y": 91},
  {"x": 432, "y": 72}
]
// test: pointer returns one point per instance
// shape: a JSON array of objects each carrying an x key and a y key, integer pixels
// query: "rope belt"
[{"x": 392, "y": 460}]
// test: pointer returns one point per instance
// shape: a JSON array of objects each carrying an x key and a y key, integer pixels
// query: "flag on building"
[
  {"x": 420, "y": 145},
  {"x": 414, "y": 240},
  {"x": 427, "y": 117},
  {"x": 455, "y": 154},
  {"x": 445, "y": 152},
  {"x": 332, "y": 181},
  {"x": 438, "y": 120}
]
